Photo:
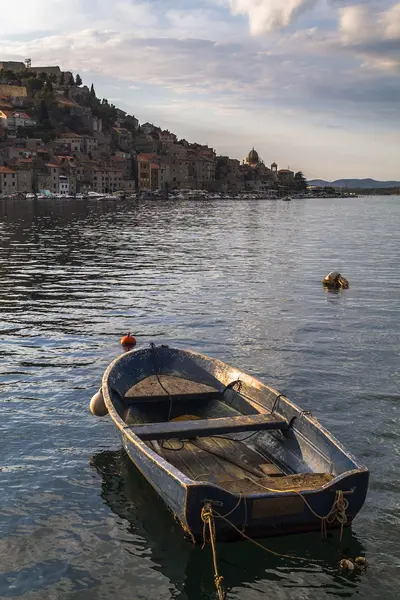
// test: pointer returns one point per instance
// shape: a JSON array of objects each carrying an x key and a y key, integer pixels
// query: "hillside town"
[{"x": 57, "y": 138}]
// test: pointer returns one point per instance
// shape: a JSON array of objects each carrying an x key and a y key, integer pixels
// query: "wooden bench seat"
[
  {"x": 207, "y": 427},
  {"x": 166, "y": 387}
]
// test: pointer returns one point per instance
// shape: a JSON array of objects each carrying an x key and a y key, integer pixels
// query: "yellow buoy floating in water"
[
  {"x": 346, "y": 564},
  {"x": 334, "y": 280},
  {"x": 97, "y": 404}
]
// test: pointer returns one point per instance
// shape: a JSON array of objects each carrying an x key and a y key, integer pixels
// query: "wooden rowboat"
[{"x": 204, "y": 433}]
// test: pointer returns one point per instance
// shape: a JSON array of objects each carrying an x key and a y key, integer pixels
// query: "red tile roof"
[
  {"x": 70, "y": 135},
  {"x": 122, "y": 130},
  {"x": 6, "y": 170},
  {"x": 11, "y": 114},
  {"x": 144, "y": 156},
  {"x": 66, "y": 101}
]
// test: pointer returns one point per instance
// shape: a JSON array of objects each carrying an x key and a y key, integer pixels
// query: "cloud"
[
  {"x": 252, "y": 76},
  {"x": 391, "y": 20},
  {"x": 267, "y": 15},
  {"x": 355, "y": 24},
  {"x": 373, "y": 35},
  {"x": 298, "y": 63},
  {"x": 46, "y": 15},
  {"x": 56, "y": 16},
  {"x": 183, "y": 63},
  {"x": 359, "y": 23}
]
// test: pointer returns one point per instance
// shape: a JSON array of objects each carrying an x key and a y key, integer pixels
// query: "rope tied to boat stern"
[
  {"x": 337, "y": 512},
  {"x": 207, "y": 516}
]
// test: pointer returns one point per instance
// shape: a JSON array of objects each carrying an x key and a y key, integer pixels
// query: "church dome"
[{"x": 252, "y": 157}]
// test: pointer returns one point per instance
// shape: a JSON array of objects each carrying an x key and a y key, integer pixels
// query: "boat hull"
[{"x": 264, "y": 514}]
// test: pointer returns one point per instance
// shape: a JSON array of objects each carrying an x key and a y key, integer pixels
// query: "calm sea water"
[{"x": 239, "y": 281}]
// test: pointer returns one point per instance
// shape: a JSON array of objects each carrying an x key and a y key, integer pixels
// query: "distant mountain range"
[{"x": 355, "y": 183}]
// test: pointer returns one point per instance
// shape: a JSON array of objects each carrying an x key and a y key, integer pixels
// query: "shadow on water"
[{"x": 242, "y": 564}]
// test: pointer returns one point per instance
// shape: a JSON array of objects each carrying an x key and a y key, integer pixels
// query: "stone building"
[
  {"x": 52, "y": 71},
  {"x": 122, "y": 138},
  {"x": 12, "y": 120},
  {"x": 178, "y": 166},
  {"x": 106, "y": 180},
  {"x": 252, "y": 159},
  {"x": 10, "y": 65},
  {"x": 49, "y": 178},
  {"x": 8, "y": 181},
  {"x": 24, "y": 179},
  {"x": 148, "y": 172}
]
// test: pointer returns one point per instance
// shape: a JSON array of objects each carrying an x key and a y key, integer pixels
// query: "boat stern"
[{"x": 270, "y": 513}]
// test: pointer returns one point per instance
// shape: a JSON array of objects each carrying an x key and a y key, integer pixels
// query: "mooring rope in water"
[
  {"x": 338, "y": 512},
  {"x": 253, "y": 541},
  {"x": 208, "y": 513},
  {"x": 207, "y": 516}
]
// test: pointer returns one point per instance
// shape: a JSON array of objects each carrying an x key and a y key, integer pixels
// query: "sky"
[{"x": 313, "y": 85}]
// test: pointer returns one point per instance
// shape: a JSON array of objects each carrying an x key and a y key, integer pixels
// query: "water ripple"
[{"x": 239, "y": 281}]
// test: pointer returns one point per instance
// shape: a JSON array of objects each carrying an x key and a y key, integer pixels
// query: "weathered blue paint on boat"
[{"x": 305, "y": 446}]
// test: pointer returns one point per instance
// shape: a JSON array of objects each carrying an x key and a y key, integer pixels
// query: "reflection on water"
[
  {"x": 189, "y": 568},
  {"x": 239, "y": 281}
]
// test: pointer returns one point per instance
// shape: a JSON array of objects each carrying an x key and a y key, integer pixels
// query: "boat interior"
[{"x": 220, "y": 437}]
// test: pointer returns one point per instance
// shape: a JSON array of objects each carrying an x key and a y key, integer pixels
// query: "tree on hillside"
[
  {"x": 328, "y": 189},
  {"x": 43, "y": 112},
  {"x": 92, "y": 92},
  {"x": 26, "y": 74},
  {"x": 78, "y": 80},
  {"x": 71, "y": 81},
  {"x": 7, "y": 76},
  {"x": 11, "y": 77},
  {"x": 62, "y": 78},
  {"x": 34, "y": 86},
  {"x": 48, "y": 87},
  {"x": 300, "y": 182}
]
